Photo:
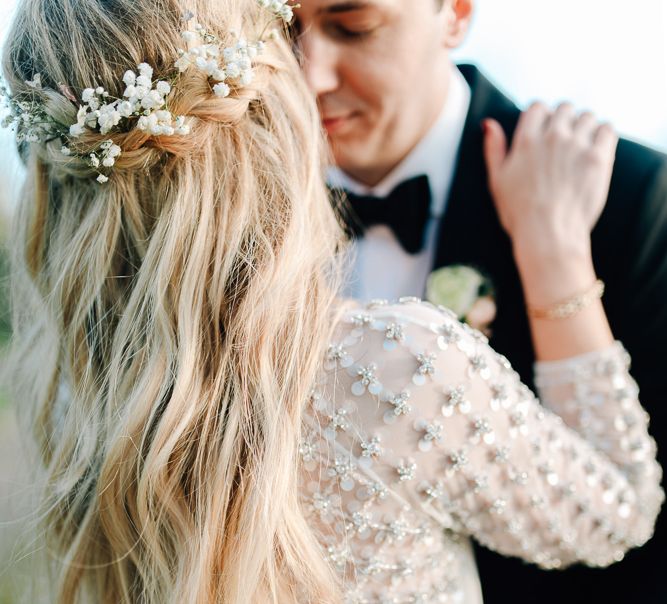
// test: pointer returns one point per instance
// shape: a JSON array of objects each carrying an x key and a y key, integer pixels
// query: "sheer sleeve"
[{"x": 424, "y": 405}]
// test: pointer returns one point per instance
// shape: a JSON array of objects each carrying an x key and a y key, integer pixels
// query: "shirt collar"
[{"x": 434, "y": 155}]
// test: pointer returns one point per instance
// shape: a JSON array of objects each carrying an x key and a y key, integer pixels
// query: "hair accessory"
[{"x": 144, "y": 101}]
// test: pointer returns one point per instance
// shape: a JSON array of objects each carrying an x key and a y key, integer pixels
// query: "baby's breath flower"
[
  {"x": 233, "y": 70},
  {"x": 144, "y": 101},
  {"x": 88, "y": 95},
  {"x": 144, "y": 81},
  {"x": 27, "y": 115},
  {"x": 158, "y": 123},
  {"x": 76, "y": 130},
  {"x": 145, "y": 70},
  {"x": 36, "y": 82},
  {"x": 221, "y": 89},
  {"x": 280, "y": 8},
  {"x": 221, "y": 64},
  {"x": 125, "y": 109},
  {"x": 129, "y": 78},
  {"x": 190, "y": 37},
  {"x": 108, "y": 118}
]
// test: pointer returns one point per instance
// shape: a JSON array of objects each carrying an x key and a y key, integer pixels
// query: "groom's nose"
[{"x": 320, "y": 63}]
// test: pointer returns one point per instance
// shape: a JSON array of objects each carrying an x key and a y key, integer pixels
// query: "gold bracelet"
[{"x": 570, "y": 306}]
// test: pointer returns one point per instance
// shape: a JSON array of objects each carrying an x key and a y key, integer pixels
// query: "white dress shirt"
[{"x": 380, "y": 267}]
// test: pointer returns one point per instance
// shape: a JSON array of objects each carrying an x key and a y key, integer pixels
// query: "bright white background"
[{"x": 606, "y": 55}]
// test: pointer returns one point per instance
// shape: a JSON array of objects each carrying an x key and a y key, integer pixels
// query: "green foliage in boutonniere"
[{"x": 465, "y": 291}]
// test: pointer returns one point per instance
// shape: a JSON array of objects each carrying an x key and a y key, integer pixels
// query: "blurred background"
[{"x": 609, "y": 56}]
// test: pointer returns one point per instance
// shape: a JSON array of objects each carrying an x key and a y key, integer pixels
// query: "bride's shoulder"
[{"x": 404, "y": 317}]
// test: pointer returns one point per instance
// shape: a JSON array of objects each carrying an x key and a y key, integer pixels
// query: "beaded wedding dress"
[{"x": 419, "y": 437}]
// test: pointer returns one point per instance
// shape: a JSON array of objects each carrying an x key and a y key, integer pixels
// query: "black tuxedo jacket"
[{"x": 630, "y": 256}]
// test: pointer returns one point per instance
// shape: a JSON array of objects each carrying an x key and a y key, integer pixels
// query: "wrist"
[
  {"x": 547, "y": 243},
  {"x": 551, "y": 275}
]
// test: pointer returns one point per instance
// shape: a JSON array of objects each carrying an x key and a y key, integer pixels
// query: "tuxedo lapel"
[
  {"x": 629, "y": 254},
  {"x": 470, "y": 212},
  {"x": 470, "y": 232}
]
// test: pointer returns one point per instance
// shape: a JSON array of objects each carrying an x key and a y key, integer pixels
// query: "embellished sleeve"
[{"x": 426, "y": 407}]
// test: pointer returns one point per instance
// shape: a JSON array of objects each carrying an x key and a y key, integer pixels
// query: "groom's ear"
[{"x": 456, "y": 15}]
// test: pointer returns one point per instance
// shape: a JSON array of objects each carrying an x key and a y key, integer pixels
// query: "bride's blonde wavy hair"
[{"x": 169, "y": 324}]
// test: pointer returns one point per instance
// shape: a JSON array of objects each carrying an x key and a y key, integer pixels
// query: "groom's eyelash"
[
  {"x": 334, "y": 28},
  {"x": 350, "y": 34}
]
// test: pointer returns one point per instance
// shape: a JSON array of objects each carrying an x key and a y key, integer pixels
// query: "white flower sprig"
[
  {"x": 142, "y": 98},
  {"x": 144, "y": 101},
  {"x": 107, "y": 154},
  {"x": 223, "y": 65},
  {"x": 28, "y": 118},
  {"x": 280, "y": 8}
]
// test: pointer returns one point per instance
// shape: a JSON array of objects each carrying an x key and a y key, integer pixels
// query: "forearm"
[{"x": 552, "y": 271}]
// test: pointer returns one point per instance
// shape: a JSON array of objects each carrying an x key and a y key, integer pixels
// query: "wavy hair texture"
[{"x": 170, "y": 323}]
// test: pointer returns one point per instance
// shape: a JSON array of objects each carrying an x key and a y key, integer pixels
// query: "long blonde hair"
[{"x": 170, "y": 323}]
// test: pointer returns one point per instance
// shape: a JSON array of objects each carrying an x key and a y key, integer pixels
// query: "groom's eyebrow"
[{"x": 344, "y": 7}]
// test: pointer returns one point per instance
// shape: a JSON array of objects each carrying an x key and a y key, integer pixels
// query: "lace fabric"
[{"x": 419, "y": 437}]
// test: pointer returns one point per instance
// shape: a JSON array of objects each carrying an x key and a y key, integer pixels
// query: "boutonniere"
[{"x": 465, "y": 291}]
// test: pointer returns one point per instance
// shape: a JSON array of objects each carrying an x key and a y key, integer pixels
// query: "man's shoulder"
[
  {"x": 637, "y": 163},
  {"x": 638, "y": 190},
  {"x": 639, "y": 181},
  {"x": 637, "y": 202}
]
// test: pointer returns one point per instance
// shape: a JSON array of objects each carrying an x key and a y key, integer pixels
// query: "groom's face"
[{"x": 380, "y": 70}]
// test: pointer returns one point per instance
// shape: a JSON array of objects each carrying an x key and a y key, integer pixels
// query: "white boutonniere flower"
[{"x": 465, "y": 291}]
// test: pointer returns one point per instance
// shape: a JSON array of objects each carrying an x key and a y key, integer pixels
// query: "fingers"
[
  {"x": 562, "y": 119},
  {"x": 605, "y": 138},
  {"x": 495, "y": 146},
  {"x": 532, "y": 122},
  {"x": 585, "y": 126}
]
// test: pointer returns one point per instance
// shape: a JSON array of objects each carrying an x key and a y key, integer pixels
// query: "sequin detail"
[{"x": 421, "y": 435}]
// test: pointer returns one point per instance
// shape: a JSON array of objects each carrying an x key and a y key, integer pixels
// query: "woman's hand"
[
  {"x": 549, "y": 190},
  {"x": 551, "y": 186}
]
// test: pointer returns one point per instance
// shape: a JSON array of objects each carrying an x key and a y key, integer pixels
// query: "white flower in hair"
[
  {"x": 36, "y": 82},
  {"x": 105, "y": 155},
  {"x": 145, "y": 70},
  {"x": 129, "y": 78},
  {"x": 142, "y": 98},
  {"x": 28, "y": 118},
  {"x": 158, "y": 123},
  {"x": 221, "y": 89},
  {"x": 144, "y": 102},
  {"x": 224, "y": 65},
  {"x": 108, "y": 118},
  {"x": 280, "y": 8},
  {"x": 76, "y": 129},
  {"x": 88, "y": 95}
]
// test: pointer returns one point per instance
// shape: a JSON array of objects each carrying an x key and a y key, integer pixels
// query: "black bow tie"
[{"x": 405, "y": 211}]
